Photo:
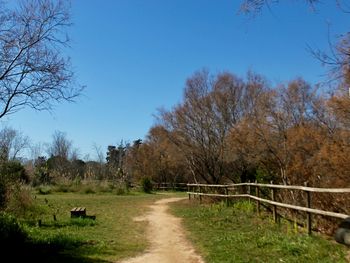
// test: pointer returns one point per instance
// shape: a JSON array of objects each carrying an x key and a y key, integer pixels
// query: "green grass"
[
  {"x": 111, "y": 237},
  {"x": 236, "y": 234}
]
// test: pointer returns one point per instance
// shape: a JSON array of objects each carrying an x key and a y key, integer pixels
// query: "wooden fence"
[{"x": 226, "y": 190}]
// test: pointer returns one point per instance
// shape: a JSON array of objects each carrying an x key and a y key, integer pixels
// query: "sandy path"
[{"x": 168, "y": 242}]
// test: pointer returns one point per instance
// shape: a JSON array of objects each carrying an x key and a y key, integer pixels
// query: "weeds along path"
[{"x": 168, "y": 241}]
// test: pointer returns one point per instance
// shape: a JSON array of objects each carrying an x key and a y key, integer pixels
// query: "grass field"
[
  {"x": 221, "y": 234},
  {"x": 235, "y": 234},
  {"x": 112, "y": 236}
]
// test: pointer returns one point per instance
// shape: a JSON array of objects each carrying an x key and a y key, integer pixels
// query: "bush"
[
  {"x": 11, "y": 174},
  {"x": 11, "y": 232},
  {"x": 64, "y": 185},
  {"x": 121, "y": 190},
  {"x": 14, "y": 171},
  {"x": 44, "y": 190},
  {"x": 146, "y": 185},
  {"x": 3, "y": 192},
  {"x": 89, "y": 189},
  {"x": 20, "y": 202}
]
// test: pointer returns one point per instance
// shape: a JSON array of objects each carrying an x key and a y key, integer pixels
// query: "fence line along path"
[{"x": 226, "y": 192}]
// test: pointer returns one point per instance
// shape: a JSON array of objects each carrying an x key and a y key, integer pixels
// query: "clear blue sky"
[{"x": 134, "y": 56}]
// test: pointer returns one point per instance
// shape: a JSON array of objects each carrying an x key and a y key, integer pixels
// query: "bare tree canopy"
[
  {"x": 60, "y": 145},
  {"x": 255, "y": 6},
  {"x": 12, "y": 143},
  {"x": 34, "y": 72},
  {"x": 338, "y": 59}
]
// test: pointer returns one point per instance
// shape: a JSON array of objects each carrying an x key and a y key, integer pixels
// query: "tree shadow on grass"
[{"x": 48, "y": 252}]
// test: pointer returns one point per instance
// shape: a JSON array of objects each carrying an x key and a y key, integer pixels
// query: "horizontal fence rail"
[
  {"x": 291, "y": 187},
  {"x": 196, "y": 190}
]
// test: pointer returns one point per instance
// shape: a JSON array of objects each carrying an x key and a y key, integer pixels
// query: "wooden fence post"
[
  {"x": 274, "y": 207},
  {"x": 308, "y": 214},
  {"x": 188, "y": 190},
  {"x": 200, "y": 197},
  {"x": 257, "y": 190},
  {"x": 249, "y": 192},
  {"x": 226, "y": 193}
]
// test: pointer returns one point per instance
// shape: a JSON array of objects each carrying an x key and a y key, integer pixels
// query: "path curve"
[{"x": 168, "y": 241}]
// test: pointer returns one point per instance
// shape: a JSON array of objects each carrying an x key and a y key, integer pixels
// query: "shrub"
[
  {"x": 121, "y": 190},
  {"x": 14, "y": 171},
  {"x": 19, "y": 201},
  {"x": 65, "y": 185},
  {"x": 41, "y": 172},
  {"x": 146, "y": 185},
  {"x": 44, "y": 190},
  {"x": 11, "y": 232},
  {"x": 3, "y": 192},
  {"x": 89, "y": 189},
  {"x": 11, "y": 174},
  {"x": 63, "y": 188}
]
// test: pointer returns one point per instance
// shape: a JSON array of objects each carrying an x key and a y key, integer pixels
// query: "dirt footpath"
[{"x": 168, "y": 242}]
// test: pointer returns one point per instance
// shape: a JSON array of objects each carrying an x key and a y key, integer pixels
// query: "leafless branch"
[{"x": 33, "y": 69}]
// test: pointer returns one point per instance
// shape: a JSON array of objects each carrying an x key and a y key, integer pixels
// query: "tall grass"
[{"x": 85, "y": 187}]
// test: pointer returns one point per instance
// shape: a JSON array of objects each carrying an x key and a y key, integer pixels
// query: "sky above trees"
[{"x": 135, "y": 56}]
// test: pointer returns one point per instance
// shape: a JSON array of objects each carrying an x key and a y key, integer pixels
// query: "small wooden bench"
[{"x": 78, "y": 212}]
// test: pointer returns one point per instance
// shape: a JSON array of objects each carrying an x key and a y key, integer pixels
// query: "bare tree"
[
  {"x": 36, "y": 150},
  {"x": 100, "y": 157},
  {"x": 96, "y": 169},
  {"x": 60, "y": 146},
  {"x": 33, "y": 69},
  {"x": 199, "y": 125},
  {"x": 74, "y": 154},
  {"x": 12, "y": 143}
]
